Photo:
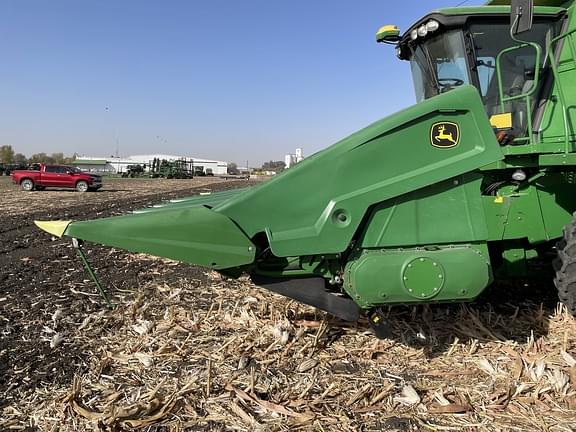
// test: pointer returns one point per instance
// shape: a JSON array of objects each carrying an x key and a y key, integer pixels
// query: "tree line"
[
  {"x": 9, "y": 156},
  {"x": 277, "y": 166}
]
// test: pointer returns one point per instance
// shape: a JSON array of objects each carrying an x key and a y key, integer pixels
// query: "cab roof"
[
  {"x": 562, "y": 3},
  {"x": 457, "y": 16},
  {"x": 497, "y": 8}
]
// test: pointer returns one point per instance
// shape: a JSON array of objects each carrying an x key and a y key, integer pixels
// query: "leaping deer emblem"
[{"x": 444, "y": 136}]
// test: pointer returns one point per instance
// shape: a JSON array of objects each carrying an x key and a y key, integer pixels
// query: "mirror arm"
[{"x": 521, "y": 15}]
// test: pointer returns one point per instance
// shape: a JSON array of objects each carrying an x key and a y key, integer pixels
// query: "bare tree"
[
  {"x": 20, "y": 159},
  {"x": 232, "y": 168},
  {"x": 58, "y": 158},
  {"x": 277, "y": 166},
  {"x": 41, "y": 158},
  {"x": 6, "y": 154}
]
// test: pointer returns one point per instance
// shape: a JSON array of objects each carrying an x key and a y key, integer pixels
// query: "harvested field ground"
[{"x": 186, "y": 349}]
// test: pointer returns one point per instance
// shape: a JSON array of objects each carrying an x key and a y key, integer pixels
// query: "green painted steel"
[
  {"x": 455, "y": 273},
  {"x": 536, "y": 211},
  {"x": 559, "y": 119},
  {"x": 209, "y": 201},
  {"x": 423, "y": 278},
  {"x": 195, "y": 235},
  {"x": 392, "y": 157},
  {"x": 221, "y": 195},
  {"x": 496, "y": 9},
  {"x": 447, "y": 212},
  {"x": 556, "y": 3}
]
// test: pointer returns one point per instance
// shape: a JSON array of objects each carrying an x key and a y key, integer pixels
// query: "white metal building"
[{"x": 114, "y": 165}]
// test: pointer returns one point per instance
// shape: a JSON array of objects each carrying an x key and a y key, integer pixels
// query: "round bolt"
[
  {"x": 440, "y": 276},
  {"x": 405, "y": 278},
  {"x": 409, "y": 265},
  {"x": 422, "y": 295},
  {"x": 250, "y": 248},
  {"x": 435, "y": 264},
  {"x": 421, "y": 259},
  {"x": 409, "y": 289}
]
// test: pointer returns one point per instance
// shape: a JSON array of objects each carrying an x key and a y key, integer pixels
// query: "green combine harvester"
[{"x": 431, "y": 204}]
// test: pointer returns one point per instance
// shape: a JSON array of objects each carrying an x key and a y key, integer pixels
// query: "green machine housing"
[{"x": 473, "y": 182}]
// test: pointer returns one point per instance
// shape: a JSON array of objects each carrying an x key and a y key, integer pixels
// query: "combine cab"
[{"x": 474, "y": 182}]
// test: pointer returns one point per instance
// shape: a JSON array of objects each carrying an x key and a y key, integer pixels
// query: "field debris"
[
  {"x": 187, "y": 349},
  {"x": 208, "y": 359}
]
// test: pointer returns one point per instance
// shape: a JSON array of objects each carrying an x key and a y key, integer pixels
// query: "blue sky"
[{"x": 223, "y": 79}]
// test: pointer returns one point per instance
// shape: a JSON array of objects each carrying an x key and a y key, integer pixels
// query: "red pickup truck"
[{"x": 41, "y": 176}]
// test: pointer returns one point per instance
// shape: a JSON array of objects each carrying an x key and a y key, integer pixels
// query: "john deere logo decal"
[{"x": 445, "y": 134}]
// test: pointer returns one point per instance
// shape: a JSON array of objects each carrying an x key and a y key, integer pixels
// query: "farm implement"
[{"x": 474, "y": 182}]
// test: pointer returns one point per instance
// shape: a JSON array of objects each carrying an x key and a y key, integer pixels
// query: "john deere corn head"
[{"x": 474, "y": 182}]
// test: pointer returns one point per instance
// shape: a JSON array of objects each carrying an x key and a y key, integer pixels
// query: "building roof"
[{"x": 89, "y": 162}]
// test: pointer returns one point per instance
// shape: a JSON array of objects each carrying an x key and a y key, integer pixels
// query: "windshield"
[
  {"x": 439, "y": 64},
  {"x": 517, "y": 68}
]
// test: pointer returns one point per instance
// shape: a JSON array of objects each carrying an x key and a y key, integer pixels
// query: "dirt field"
[{"x": 185, "y": 349}]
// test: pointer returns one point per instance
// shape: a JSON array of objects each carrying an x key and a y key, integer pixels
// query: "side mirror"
[
  {"x": 521, "y": 13},
  {"x": 389, "y": 34}
]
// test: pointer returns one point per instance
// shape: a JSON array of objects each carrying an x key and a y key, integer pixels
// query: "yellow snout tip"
[{"x": 56, "y": 228}]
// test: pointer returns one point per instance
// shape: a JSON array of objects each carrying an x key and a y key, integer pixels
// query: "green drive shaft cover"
[
  {"x": 390, "y": 276},
  {"x": 423, "y": 278}
]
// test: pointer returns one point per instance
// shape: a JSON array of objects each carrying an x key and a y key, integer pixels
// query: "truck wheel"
[
  {"x": 565, "y": 266},
  {"x": 27, "y": 185},
  {"x": 81, "y": 186}
]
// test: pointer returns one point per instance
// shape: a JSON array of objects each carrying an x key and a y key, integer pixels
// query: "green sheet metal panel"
[
  {"x": 318, "y": 205},
  {"x": 552, "y": 128},
  {"x": 515, "y": 216},
  {"x": 537, "y": 3},
  {"x": 500, "y": 8},
  {"x": 447, "y": 212},
  {"x": 524, "y": 218},
  {"x": 536, "y": 212},
  {"x": 209, "y": 201},
  {"x": 211, "y": 195},
  {"x": 557, "y": 201},
  {"x": 457, "y": 273},
  {"x": 194, "y": 235}
]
